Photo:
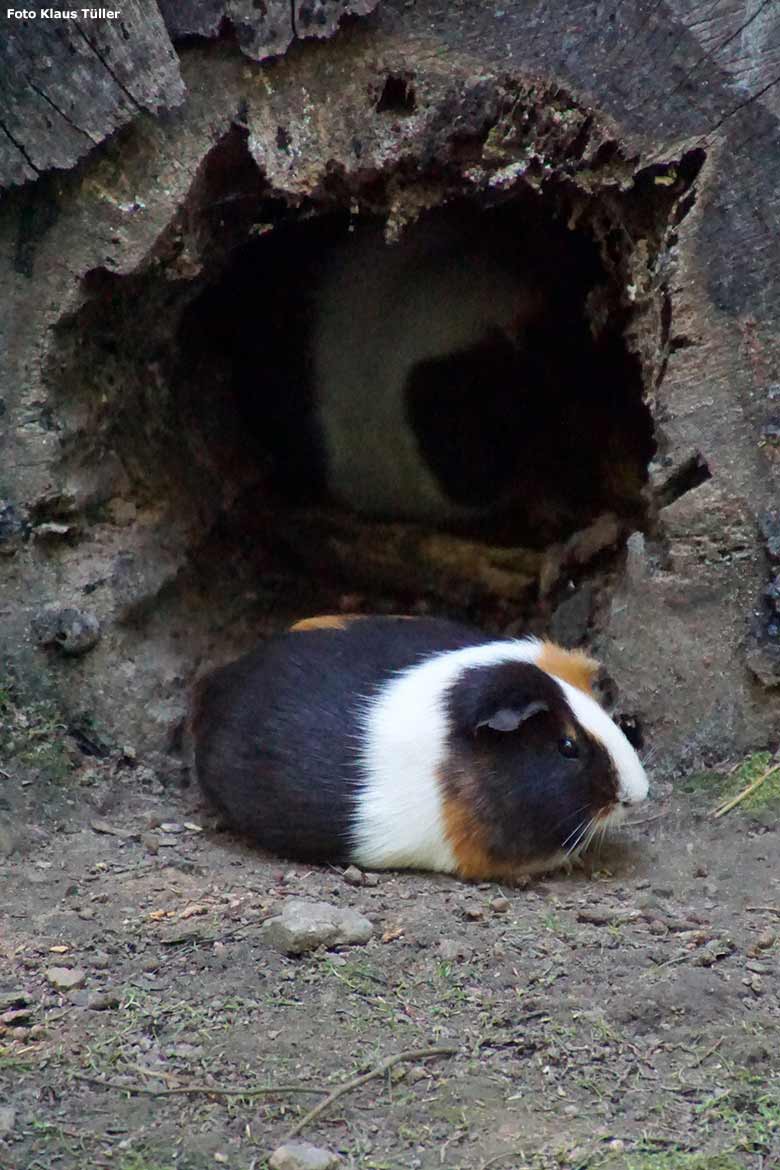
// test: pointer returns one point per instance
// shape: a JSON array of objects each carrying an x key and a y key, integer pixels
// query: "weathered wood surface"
[
  {"x": 642, "y": 82},
  {"x": 65, "y": 85},
  {"x": 263, "y": 30}
]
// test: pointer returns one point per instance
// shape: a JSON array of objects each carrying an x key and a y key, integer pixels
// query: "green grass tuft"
[{"x": 720, "y": 787}]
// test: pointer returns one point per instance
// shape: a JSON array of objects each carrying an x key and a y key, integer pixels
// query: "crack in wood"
[
  {"x": 20, "y": 148},
  {"x": 712, "y": 55},
  {"x": 108, "y": 69},
  {"x": 755, "y": 97},
  {"x": 42, "y": 94}
]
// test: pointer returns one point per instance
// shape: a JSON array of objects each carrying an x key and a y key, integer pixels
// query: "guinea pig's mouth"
[{"x": 613, "y": 814}]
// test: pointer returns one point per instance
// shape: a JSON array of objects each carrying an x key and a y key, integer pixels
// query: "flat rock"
[
  {"x": 66, "y": 978},
  {"x": 72, "y": 631},
  {"x": 302, "y": 1156},
  {"x": 9, "y": 838},
  {"x": 303, "y": 925}
]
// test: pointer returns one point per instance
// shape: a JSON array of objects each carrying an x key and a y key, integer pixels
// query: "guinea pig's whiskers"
[
  {"x": 577, "y": 829},
  {"x": 568, "y": 817},
  {"x": 593, "y": 830},
  {"x": 649, "y": 756},
  {"x": 584, "y": 832}
]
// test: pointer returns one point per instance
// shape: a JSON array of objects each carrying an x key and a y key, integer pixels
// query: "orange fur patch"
[
  {"x": 339, "y": 621},
  {"x": 573, "y": 666},
  {"x": 468, "y": 843},
  {"x": 328, "y": 621}
]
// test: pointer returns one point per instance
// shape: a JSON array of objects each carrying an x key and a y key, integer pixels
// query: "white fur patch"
[
  {"x": 632, "y": 779},
  {"x": 398, "y": 813}
]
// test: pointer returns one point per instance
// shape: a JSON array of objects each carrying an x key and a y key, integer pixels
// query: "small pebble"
[
  {"x": 500, "y": 905},
  {"x": 303, "y": 926},
  {"x": 72, "y": 631},
  {"x": 353, "y": 876},
  {"x": 701, "y": 871},
  {"x": 765, "y": 940},
  {"x": 66, "y": 978},
  {"x": 474, "y": 913},
  {"x": 302, "y": 1156},
  {"x": 449, "y": 950},
  {"x": 597, "y": 915},
  {"x": 102, "y": 1001}
]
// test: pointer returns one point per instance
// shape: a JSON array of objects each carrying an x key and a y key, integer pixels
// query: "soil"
[{"x": 622, "y": 1015}]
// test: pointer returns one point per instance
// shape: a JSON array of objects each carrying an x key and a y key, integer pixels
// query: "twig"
[
  {"x": 647, "y": 820},
  {"x": 677, "y": 959},
  {"x": 163, "y": 1075},
  {"x": 728, "y": 805},
  {"x": 378, "y": 1071},
  {"x": 211, "y": 1090},
  {"x": 708, "y": 1053},
  {"x": 764, "y": 909},
  {"x": 500, "y": 1158}
]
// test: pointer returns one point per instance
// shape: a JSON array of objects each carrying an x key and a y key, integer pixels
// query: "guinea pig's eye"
[{"x": 568, "y": 747}]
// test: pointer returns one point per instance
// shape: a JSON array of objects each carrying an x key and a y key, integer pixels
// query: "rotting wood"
[
  {"x": 66, "y": 85},
  {"x": 261, "y": 31}
]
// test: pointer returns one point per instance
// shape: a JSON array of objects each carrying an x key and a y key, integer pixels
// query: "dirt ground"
[{"x": 626, "y": 1017}]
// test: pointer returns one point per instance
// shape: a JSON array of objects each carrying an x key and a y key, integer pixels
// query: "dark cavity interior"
[{"x": 531, "y": 437}]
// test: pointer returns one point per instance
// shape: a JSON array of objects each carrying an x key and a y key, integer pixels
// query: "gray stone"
[
  {"x": 569, "y": 623},
  {"x": 7, "y": 1119},
  {"x": 9, "y": 837},
  {"x": 303, "y": 925},
  {"x": 450, "y": 949},
  {"x": 73, "y": 631},
  {"x": 14, "y": 529},
  {"x": 66, "y": 978},
  {"x": 302, "y": 1156},
  {"x": 353, "y": 876}
]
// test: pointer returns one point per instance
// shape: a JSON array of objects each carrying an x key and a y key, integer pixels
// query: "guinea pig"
[{"x": 413, "y": 743}]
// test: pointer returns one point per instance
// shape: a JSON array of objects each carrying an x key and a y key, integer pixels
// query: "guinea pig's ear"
[{"x": 510, "y": 718}]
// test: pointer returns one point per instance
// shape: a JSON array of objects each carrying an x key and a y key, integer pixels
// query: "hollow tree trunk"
[{"x": 139, "y": 163}]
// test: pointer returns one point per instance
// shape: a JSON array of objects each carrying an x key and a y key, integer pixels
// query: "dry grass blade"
[
  {"x": 497, "y": 1158},
  {"x": 185, "y": 1089},
  {"x": 728, "y": 805},
  {"x": 378, "y": 1071}
]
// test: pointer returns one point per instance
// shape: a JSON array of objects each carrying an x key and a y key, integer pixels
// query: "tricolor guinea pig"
[{"x": 413, "y": 743}]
